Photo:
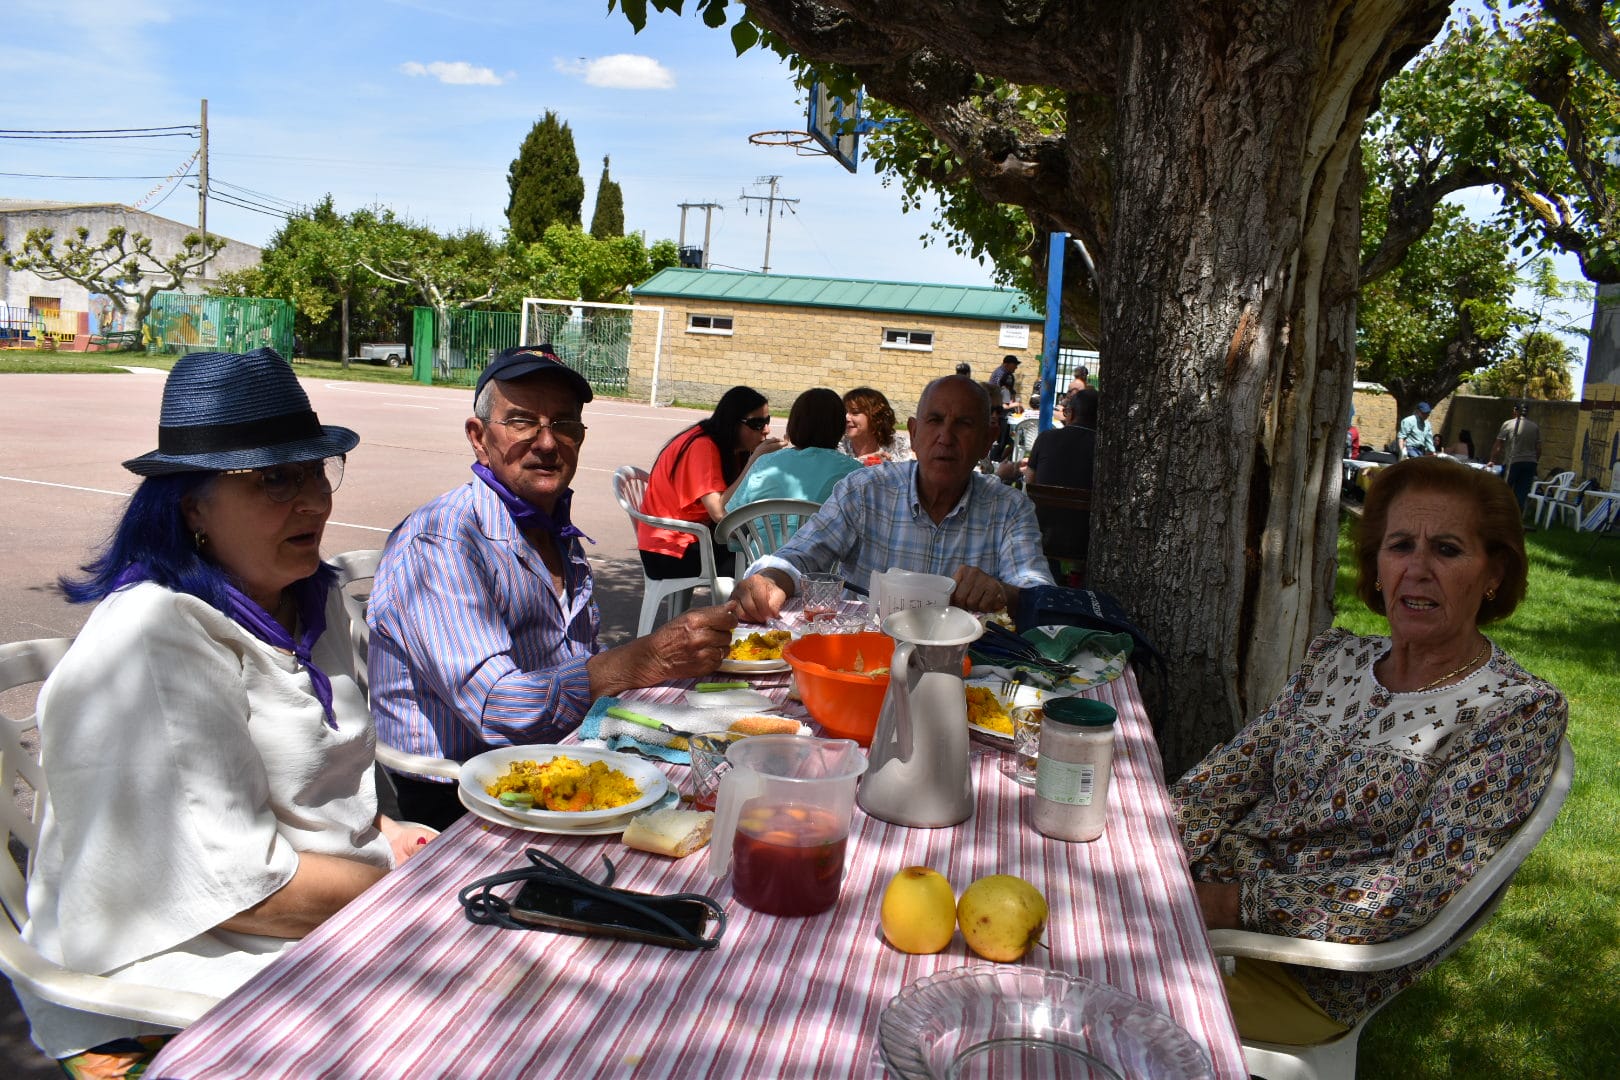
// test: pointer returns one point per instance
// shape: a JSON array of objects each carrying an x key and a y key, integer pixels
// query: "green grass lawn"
[
  {"x": 48, "y": 362},
  {"x": 1536, "y": 993}
]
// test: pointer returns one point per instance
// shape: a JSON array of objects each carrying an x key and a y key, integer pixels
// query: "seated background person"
[
  {"x": 695, "y": 473},
  {"x": 1338, "y": 814},
  {"x": 812, "y": 465},
  {"x": 870, "y": 429},
  {"x": 484, "y": 630},
  {"x": 208, "y": 754},
  {"x": 1064, "y": 455},
  {"x": 934, "y": 515}
]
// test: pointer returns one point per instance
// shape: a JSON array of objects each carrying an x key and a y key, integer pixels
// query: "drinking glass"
[
  {"x": 822, "y": 594},
  {"x": 1026, "y": 721},
  {"x": 708, "y": 766}
]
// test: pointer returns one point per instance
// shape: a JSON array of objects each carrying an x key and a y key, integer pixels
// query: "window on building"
[
  {"x": 917, "y": 340},
  {"x": 708, "y": 324}
]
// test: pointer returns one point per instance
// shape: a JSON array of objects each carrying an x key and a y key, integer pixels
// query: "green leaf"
[{"x": 744, "y": 36}]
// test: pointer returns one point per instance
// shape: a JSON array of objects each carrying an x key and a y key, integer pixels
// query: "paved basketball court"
[{"x": 62, "y": 487}]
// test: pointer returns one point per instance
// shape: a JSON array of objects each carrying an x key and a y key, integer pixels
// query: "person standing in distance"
[
  {"x": 1518, "y": 447},
  {"x": 1415, "y": 438}
]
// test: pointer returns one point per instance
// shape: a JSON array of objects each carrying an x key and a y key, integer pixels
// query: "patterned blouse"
[
  {"x": 899, "y": 449},
  {"x": 1348, "y": 812}
]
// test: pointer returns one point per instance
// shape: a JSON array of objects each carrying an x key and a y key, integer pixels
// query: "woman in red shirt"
[{"x": 695, "y": 473}]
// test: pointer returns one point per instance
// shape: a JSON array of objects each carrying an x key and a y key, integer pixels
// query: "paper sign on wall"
[{"x": 1013, "y": 336}]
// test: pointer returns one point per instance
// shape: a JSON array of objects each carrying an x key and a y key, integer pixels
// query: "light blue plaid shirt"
[
  {"x": 471, "y": 645},
  {"x": 873, "y": 521}
]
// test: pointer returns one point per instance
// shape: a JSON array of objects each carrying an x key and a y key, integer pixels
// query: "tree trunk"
[{"x": 1228, "y": 334}]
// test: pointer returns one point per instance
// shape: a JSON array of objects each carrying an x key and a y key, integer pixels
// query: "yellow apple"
[
  {"x": 1002, "y": 917},
  {"x": 919, "y": 911}
]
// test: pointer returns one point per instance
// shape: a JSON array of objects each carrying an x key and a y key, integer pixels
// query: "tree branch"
[{"x": 1584, "y": 21}]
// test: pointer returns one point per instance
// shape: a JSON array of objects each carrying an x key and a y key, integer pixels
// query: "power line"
[
  {"x": 65, "y": 176},
  {"x": 171, "y": 128},
  {"x": 229, "y": 200},
  {"x": 255, "y": 194},
  {"x": 69, "y": 138}
]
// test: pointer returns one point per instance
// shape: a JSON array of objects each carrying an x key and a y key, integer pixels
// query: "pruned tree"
[
  {"x": 544, "y": 182},
  {"x": 121, "y": 265},
  {"x": 457, "y": 271},
  {"x": 1208, "y": 161},
  {"x": 607, "y": 219}
]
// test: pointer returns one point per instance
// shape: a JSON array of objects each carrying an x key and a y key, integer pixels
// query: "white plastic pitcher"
[{"x": 897, "y": 590}]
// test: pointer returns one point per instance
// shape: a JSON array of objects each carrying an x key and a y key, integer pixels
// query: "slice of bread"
[
  {"x": 672, "y": 832},
  {"x": 765, "y": 725}
]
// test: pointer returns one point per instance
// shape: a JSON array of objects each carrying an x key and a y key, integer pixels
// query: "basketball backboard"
[{"x": 835, "y": 124}]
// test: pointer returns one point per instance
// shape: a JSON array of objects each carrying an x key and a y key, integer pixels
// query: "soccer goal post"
[{"x": 592, "y": 338}]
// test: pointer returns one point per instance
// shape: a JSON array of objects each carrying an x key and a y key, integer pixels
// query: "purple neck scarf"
[
  {"x": 261, "y": 624},
  {"x": 528, "y": 516}
]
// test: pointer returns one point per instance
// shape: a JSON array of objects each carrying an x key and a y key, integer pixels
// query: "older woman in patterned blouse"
[{"x": 1389, "y": 769}]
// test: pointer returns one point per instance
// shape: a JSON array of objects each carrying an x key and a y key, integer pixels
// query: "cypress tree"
[
  {"x": 607, "y": 220},
  {"x": 544, "y": 181}
]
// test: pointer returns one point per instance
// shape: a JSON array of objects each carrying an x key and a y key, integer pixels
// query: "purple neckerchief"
[
  {"x": 528, "y": 516},
  {"x": 311, "y": 619}
]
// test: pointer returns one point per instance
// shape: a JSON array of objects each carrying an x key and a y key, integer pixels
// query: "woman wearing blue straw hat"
[{"x": 208, "y": 755}]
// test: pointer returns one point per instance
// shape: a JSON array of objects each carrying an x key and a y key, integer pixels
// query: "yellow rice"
[{"x": 566, "y": 784}]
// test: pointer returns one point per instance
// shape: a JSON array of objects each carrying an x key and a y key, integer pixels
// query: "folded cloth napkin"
[
  {"x": 1059, "y": 643},
  {"x": 600, "y": 729},
  {"x": 1097, "y": 656}
]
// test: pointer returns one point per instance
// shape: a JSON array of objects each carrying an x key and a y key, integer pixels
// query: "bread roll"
[
  {"x": 765, "y": 725},
  {"x": 676, "y": 833}
]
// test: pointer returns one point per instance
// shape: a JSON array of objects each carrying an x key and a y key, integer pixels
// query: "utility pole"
[
  {"x": 770, "y": 202},
  {"x": 708, "y": 209},
  {"x": 202, "y": 190}
]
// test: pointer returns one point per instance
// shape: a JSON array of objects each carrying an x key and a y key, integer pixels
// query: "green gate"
[
  {"x": 473, "y": 340},
  {"x": 184, "y": 322},
  {"x": 594, "y": 341}
]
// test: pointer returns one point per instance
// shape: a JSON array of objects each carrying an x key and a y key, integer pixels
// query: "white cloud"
[
  {"x": 453, "y": 72},
  {"x": 621, "y": 71}
]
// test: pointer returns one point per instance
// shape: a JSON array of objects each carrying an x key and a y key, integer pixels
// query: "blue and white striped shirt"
[
  {"x": 873, "y": 521},
  {"x": 471, "y": 645}
]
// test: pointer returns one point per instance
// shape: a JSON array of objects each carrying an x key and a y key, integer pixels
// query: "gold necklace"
[{"x": 1448, "y": 676}]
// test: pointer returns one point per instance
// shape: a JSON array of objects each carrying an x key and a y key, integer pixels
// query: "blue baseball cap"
[
  {"x": 522, "y": 360},
  {"x": 1423, "y": 407}
]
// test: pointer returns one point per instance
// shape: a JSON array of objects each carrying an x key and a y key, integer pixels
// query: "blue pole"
[{"x": 1054, "y": 310}]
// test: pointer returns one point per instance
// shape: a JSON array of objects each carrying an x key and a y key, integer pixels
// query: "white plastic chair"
[
  {"x": 357, "y": 566},
  {"x": 1568, "y": 503},
  {"x": 1446, "y": 932},
  {"x": 21, "y": 664},
  {"x": 1024, "y": 435},
  {"x": 760, "y": 527},
  {"x": 629, "y": 486},
  {"x": 1542, "y": 492}
]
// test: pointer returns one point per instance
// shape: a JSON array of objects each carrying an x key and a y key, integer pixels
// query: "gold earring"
[
  {"x": 1378, "y": 585},
  {"x": 199, "y": 538},
  {"x": 1490, "y": 594}
]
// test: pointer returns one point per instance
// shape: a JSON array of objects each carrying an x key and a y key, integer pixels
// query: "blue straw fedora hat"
[{"x": 237, "y": 411}]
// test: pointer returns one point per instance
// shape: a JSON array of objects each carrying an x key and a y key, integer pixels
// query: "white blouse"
[{"x": 187, "y": 764}]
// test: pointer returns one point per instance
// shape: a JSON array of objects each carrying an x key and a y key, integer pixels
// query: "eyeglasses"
[
  {"x": 524, "y": 428},
  {"x": 757, "y": 423},
  {"x": 282, "y": 483}
]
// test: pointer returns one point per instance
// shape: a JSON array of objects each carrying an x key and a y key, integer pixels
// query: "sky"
[{"x": 421, "y": 105}]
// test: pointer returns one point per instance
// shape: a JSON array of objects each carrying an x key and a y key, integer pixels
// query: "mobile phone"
[{"x": 540, "y": 904}]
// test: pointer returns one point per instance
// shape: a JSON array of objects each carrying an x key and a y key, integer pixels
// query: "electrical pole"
[
  {"x": 770, "y": 202},
  {"x": 708, "y": 209},
  {"x": 202, "y": 190}
]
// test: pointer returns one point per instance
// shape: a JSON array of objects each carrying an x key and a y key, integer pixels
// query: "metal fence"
[
  {"x": 593, "y": 339},
  {"x": 459, "y": 351},
  {"x": 184, "y": 322}
]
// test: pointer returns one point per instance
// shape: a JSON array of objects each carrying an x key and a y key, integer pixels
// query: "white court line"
[{"x": 125, "y": 495}]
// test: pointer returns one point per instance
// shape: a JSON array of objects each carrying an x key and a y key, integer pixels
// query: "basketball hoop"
[{"x": 803, "y": 143}]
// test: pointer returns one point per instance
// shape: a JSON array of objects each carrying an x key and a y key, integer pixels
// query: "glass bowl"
[{"x": 1006, "y": 1022}]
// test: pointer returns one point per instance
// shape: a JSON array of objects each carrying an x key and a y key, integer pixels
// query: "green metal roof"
[{"x": 958, "y": 301}]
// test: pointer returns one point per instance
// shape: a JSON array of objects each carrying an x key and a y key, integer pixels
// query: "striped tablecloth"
[{"x": 400, "y": 984}]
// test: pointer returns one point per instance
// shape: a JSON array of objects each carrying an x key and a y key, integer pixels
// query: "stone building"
[
  {"x": 64, "y": 307},
  {"x": 783, "y": 334}
]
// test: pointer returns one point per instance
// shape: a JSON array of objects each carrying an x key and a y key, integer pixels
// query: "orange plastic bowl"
[{"x": 844, "y": 703}]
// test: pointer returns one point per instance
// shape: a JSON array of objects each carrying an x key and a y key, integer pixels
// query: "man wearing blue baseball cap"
[
  {"x": 484, "y": 630},
  {"x": 1415, "y": 436}
]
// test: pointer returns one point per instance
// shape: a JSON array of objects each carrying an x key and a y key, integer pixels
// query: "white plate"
[
  {"x": 477, "y": 774},
  {"x": 608, "y": 828},
  {"x": 751, "y": 667},
  {"x": 730, "y": 699}
]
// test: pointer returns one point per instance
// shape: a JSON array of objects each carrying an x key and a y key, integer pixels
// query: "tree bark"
[{"x": 1211, "y": 167}]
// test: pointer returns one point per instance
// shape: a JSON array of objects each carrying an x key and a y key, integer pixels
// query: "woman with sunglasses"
[
  {"x": 695, "y": 473},
  {"x": 207, "y": 752}
]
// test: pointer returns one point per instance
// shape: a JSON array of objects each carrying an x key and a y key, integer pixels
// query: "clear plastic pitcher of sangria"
[{"x": 782, "y": 819}]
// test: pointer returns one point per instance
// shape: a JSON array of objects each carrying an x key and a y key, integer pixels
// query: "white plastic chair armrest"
[
  {"x": 93, "y": 993},
  {"x": 403, "y": 761},
  {"x": 1323, "y": 954}
]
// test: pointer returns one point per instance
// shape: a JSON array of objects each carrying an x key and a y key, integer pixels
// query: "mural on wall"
[{"x": 105, "y": 318}]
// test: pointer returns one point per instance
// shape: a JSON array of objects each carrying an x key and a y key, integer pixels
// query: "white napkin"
[{"x": 686, "y": 719}]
